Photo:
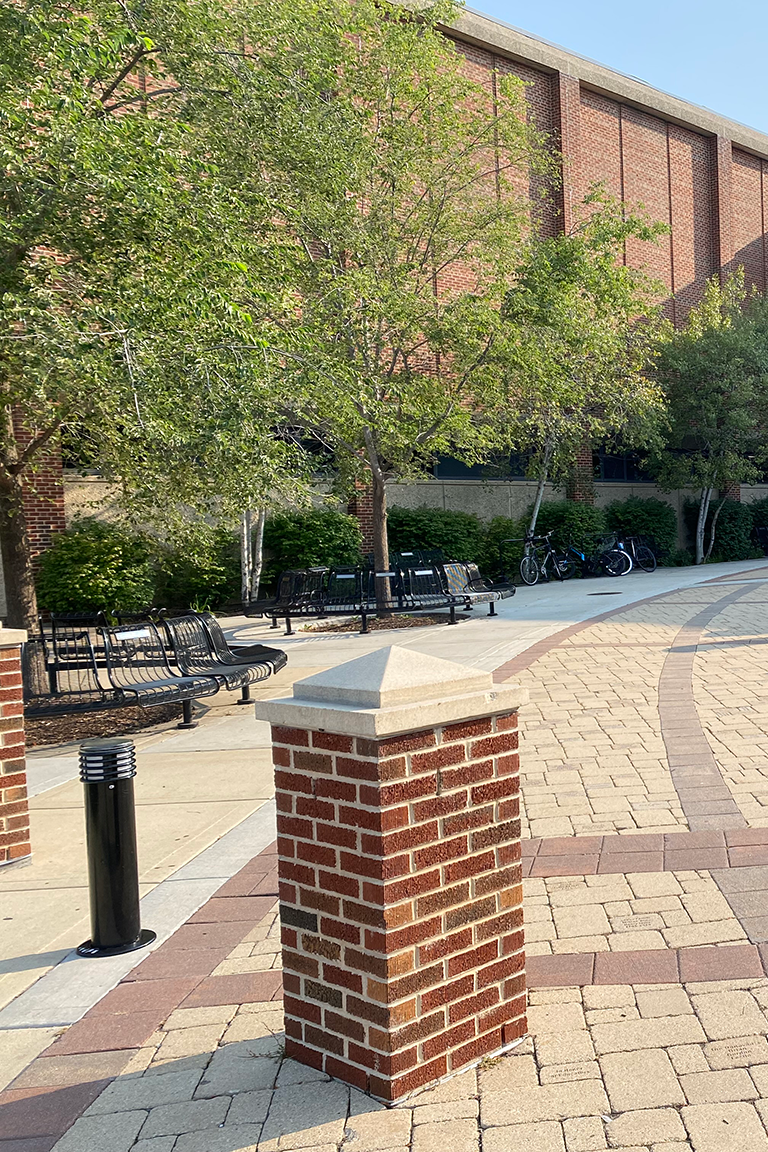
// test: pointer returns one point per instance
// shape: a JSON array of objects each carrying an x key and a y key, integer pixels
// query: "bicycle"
[
  {"x": 639, "y": 552},
  {"x": 607, "y": 559},
  {"x": 539, "y": 554}
]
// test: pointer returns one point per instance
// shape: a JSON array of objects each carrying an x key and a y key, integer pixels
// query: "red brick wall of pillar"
[
  {"x": 581, "y": 482},
  {"x": 401, "y": 900},
  {"x": 733, "y": 492},
  {"x": 14, "y": 811},
  {"x": 43, "y": 495},
  {"x": 361, "y": 505}
]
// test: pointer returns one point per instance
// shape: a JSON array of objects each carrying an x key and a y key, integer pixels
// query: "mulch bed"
[
  {"x": 352, "y": 624},
  {"x": 112, "y": 722}
]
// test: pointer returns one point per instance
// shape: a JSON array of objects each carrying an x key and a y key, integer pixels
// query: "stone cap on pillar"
[
  {"x": 12, "y": 637},
  {"x": 390, "y": 691}
]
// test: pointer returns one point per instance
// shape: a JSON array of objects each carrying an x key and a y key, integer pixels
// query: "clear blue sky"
[{"x": 711, "y": 52}]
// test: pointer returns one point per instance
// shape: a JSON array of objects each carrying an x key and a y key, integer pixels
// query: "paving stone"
[
  {"x": 759, "y": 1074},
  {"x": 564, "y": 1047},
  {"x": 390, "y": 1128},
  {"x": 156, "y": 1144},
  {"x": 586, "y": 920},
  {"x": 200, "y": 1017},
  {"x": 643, "y": 1079},
  {"x": 737, "y": 1053},
  {"x": 456, "y": 1087},
  {"x": 715, "y": 1087},
  {"x": 584, "y": 1134},
  {"x": 235, "y": 1069},
  {"x": 728, "y": 1014},
  {"x": 610, "y": 1015},
  {"x": 249, "y": 1108},
  {"x": 229, "y": 1138},
  {"x": 304, "y": 1115},
  {"x": 105, "y": 1133},
  {"x": 60, "y": 1071},
  {"x": 645, "y": 1126},
  {"x": 145, "y": 1092},
  {"x": 555, "y": 1018},
  {"x": 643, "y": 967},
  {"x": 262, "y": 1040},
  {"x": 187, "y": 1117},
  {"x": 634, "y": 941},
  {"x": 448, "y": 1110},
  {"x": 707, "y": 964},
  {"x": 648, "y": 884},
  {"x": 191, "y": 1041},
  {"x": 546, "y": 1137},
  {"x": 458, "y": 1135},
  {"x": 724, "y": 1128},
  {"x": 608, "y": 996},
  {"x": 694, "y": 935},
  {"x": 548, "y": 1102},
  {"x": 664, "y": 1002},
  {"x": 634, "y": 1034},
  {"x": 510, "y": 1073},
  {"x": 569, "y": 1073},
  {"x": 688, "y": 1058}
]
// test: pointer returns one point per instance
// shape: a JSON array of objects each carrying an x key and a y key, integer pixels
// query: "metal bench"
[
  {"x": 75, "y": 684},
  {"x": 464, "y": 582},
  {"x": 139, "y": 671},
  {"x": 194, "y": 653}
]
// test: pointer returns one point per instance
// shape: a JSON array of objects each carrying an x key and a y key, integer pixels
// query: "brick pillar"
[
  {"x": 723, "y": 203},
  {"x": 360, "y": 504},
  {"x": 581, "y": 482},
  {"x": 732, "y": 491},
  {"x": 14, "y": 812},
  {"x": 568, "y": 91},
  {"x": 397, "y": 781}
]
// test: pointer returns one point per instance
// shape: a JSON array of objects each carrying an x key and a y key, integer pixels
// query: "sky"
[{"x": 710, "y": 52}]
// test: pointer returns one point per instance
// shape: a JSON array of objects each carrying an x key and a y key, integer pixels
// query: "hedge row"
[{"x": 95, "y": 565}]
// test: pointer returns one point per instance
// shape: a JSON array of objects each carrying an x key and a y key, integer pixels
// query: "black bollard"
[{"x": 107, "y": 769}]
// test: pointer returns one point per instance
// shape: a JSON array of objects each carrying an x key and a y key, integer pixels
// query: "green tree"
[
  {"x": 580, "y": 330},
  {"x": 714, "y": 374},
  {"x": 399, "y": 249},
  {"x": 131, "y": 201}
]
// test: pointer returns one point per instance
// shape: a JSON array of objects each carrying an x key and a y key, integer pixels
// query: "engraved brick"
[{"x": 323, "y": 993}]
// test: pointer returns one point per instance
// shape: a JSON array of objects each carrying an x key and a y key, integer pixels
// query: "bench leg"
[
  {"x": 364, "y": 625},
  {"x": 491, "y": 609},
  {"x": 274, "y": 622},
  {"x": 186, "y": 715},
  {"x": 288, "y": 629},
  {"x": 453, "y": 619},
  {"x": 245, "y": 695},
  {"x": 53, "y": 680}
]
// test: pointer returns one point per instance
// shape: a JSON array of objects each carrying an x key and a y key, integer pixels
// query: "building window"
[{"x": 619, "y": 468}]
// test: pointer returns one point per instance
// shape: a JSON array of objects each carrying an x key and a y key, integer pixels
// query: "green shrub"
[
  {"x": 460, "y": 535},
  {"x": 572, "y": 523},
  {"x": 759, "y": 512},
  {"x": 681, "y": 558},
  {"x": 317, "y": 536},
  {"x": 499, "y": 557},
  {"x": 733, "y": 531},
  {"x": 96, "y": 566},
  {"x": 201, "y": 570},
  {"x": 651, "y": 518}
]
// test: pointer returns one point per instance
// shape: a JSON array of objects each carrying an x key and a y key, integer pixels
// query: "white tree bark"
[
  {"x": 245, "y": 556},
  {"x": 546, "y": 460},
  {"x": 257, "y": 554},
  {"x": 706, "y": 497}
]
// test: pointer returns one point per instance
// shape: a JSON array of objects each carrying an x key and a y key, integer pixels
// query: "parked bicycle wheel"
[
  {"x": 529, "y": 570},
  {"x": 644, "y": 558},
  {"x": 614, "y": 562},
  {"x": 563, "y": 567}
]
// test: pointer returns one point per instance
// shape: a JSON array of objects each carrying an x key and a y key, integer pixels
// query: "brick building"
[{"x": 704, "y": 175}]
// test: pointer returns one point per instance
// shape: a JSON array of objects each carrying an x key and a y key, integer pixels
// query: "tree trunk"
[
  {"x": 21, "y": 599},
  {"x": 706, "y": 496},
  {"x": 543, "y": 474},
  {"x": 711, "y": 544},
  {"x": 257, "y": 562},
  {"x": 245, "y": 556},
  {"x": 380, "y": 543}
]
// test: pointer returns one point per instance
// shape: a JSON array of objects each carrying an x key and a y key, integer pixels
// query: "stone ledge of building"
[
  {"x": 12, "y": 637},
  {"x": 483, "y": 31}
]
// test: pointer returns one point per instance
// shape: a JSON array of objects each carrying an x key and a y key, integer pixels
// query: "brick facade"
[
  {"x": 360, "y": 504},
  {"x": 401, "y": 900},
  {"x": 43, "y": 494},
  {"x": 14, "y": 812}
]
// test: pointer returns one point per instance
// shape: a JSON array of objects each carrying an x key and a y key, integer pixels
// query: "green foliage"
[
  {"x": 651, "y": 518},
  {"x": 571, "y": 348},
  {"x": 759, "y": 512},
  {"x": 681, "y": 558},
  {"x": 318, "y": 536},
  {"x": 460, "y": 535},
  {"x": 733, "y": 531},
  {"x": 96, "y": 566},
  {"x": 572, "y": 523},
  {"x": 201, "y": 570},
  {"x": 501, "y": 558}
]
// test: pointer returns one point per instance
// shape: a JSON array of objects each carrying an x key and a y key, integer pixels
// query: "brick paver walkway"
[{"x": 645, "y": 787}]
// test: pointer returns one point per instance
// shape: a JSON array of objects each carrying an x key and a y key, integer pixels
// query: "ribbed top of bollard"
[{"x": 107, "y": 759}]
